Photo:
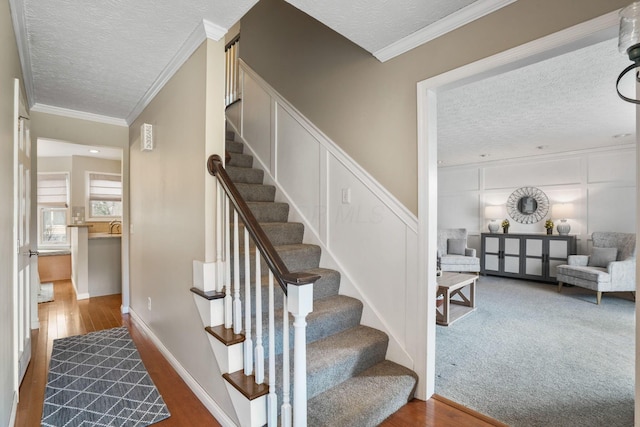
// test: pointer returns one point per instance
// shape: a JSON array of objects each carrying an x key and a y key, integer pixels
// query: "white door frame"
[{"x": 570, "y": 39}]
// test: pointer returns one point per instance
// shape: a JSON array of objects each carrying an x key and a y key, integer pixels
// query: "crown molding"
[
  {"x": 22, "y": 41},
  {"x": 204, "y": 30},
  {"x": 455, "y": 20},
  {"x": 75, "y": 114}
]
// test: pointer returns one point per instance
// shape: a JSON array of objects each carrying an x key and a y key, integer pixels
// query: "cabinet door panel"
[
  {"x": 512, "y": 264},
  {"x": 491, "y": 262},
  {"x": 511, "y": 246},
  {"x": 492, "y": 244},
  {"x": 558, "y": 248},
  {"x": 533, "y": 267},
  {"x": 533, "y": 247}
]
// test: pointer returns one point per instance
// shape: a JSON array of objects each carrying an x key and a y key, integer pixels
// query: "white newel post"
[{"x": 300, "y": 301}]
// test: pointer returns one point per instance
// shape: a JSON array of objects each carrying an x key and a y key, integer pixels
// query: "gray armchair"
[
  {"x": 611, "y": 266},
  {"x": 453, "y": 253}
]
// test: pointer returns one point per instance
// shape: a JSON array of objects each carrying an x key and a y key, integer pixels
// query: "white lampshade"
[
  {"x": 562, "y": 211},
  {"x": 494, "y": 212}
]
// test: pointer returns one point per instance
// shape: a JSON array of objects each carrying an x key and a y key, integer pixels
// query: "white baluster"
[
  {"x": 272, "y": 399},
  {"x": 237, "y": 304},
  {"x": 300, "y": 304},
  {"x": 248, "y": 342},
  {"x": 228, "y": 301},
  {"x": 219, "y": 237},
  {"x": 259, "y": 352},
  {"x": 285, "y": 413}
]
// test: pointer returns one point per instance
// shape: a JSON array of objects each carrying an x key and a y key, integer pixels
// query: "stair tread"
[
  {"x": 240, "y": 160},
  {"x": 366, "y": 399}
]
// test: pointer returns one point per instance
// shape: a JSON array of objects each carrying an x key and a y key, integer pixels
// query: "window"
[
  {"x": 105, "y": 195},
  {"x": 53, "y": 209}
]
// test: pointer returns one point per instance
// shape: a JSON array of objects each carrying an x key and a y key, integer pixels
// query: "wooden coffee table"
[{"x": 452, "y": 285}]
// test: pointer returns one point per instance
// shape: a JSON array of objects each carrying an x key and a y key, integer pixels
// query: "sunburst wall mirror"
[{"x": 527, "y": 205}]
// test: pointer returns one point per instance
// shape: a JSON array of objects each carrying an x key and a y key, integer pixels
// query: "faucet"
[{"x": 117, "y": 225}]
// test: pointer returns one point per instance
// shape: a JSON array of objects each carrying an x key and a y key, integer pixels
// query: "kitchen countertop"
[{"x": 103, "y": 236}]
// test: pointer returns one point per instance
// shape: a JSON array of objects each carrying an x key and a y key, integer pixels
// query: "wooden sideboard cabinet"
[{"x": 525, "y": 256}]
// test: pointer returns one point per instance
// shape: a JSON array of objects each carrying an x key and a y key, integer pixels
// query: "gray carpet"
[
  {"x": 45, "y": 293},
  {"x": 98, "y": 379},
  {"x": 529, "y": 356}
]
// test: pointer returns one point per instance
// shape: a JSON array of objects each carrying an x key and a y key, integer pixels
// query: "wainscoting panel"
[
  {"x": 458, "y": 180},
  {"x": 364, "y": 232},
  {"x": 460, "y": 211},
  {"x": 298, "y": 166},
  {"x": 369, "y": 241},
  {"x": 612, "y": 167},
  {"x": 547, "y": 172},
  {"x": 610, "y": 210},
  {"x": 600, "y": 183},
  {"x": 256, "y": 119}
]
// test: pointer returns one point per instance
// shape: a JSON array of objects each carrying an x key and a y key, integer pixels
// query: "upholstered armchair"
[
  {"x": 453, "y": 253},
  {"x": 611, "y": 266}
]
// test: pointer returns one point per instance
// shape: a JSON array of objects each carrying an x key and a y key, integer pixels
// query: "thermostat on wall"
[{"x": 146, "y": 137}]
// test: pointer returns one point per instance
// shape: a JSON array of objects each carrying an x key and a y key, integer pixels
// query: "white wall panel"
[
  {"x": 612, "y": 209},
  {"x": 369, "y": 240},
  {"x": 298, "y": 163},
  {"x": 548, "y": 172},
  {"x": 460, "y": 211},
  {"x": 611, "y": 167},
  {"x": 458, "y": 179},
  {"x": 372, "y": 240},
  {"x": 256, "y": 118}
]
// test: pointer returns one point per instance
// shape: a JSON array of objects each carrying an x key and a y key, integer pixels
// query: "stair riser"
[
  {"x": 234, "y": 147},
  {"x": 328, "y": 285},
  {"x": 246, "y": 175},
  {"x": 296, "y": 260},
  {"x": 319, "y": 324},
  {"x": 256, "y": 192},
  {"x": 266, "y": 212},
  {"x": 286, "y": 233},
  {"x": 240, "y": 160}
]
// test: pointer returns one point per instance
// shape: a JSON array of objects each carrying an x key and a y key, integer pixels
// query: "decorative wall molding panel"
[{"x": 365, "y": 233}]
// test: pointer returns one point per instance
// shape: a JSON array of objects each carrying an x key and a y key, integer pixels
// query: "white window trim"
[
  {"x": 41, "y": 206},
  {"x": 88, "y": 216}
]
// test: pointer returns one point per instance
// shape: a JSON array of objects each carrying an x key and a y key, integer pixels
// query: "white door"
[{"x": 21, "y": 232}]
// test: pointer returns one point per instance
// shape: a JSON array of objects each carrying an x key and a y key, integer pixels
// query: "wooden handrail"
[{"x": 280, "y": 271}]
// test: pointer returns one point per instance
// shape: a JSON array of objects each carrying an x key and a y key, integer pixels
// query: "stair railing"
[
  {"x": 297, "y": 299},
  {"x": 231, "y": 51}
]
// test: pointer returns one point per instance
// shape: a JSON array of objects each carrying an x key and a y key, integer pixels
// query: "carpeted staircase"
[{"x": 349, "y": 381}]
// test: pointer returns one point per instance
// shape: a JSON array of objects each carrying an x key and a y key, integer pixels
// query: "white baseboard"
[
  {"x": 14, "y": 410},
  {"x": 200, "y": 393}
]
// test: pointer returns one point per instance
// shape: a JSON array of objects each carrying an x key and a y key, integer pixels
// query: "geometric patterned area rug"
[{"x": 98, "y": 379}]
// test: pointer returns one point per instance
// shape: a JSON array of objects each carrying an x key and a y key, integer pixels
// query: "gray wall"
[
  {"x": 369, "y": 108},
  {"x": 168, "y": 213}
]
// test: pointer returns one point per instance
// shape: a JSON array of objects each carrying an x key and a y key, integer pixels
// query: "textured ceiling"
[
  {"x": 106, "y": 57},
  {"x": 558, "y": 105},
  {"x": 102, "y": 57},
  {"x": 375, "y": 24}
]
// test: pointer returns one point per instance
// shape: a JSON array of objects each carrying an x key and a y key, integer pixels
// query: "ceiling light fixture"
[
  {"x": 629, "y": 42},
  {"x": 94, "y": 151},
  {"x": 621, "y": 135}
]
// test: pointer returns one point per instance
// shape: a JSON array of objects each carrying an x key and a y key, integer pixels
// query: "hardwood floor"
[{"x": 66, "y": 316}]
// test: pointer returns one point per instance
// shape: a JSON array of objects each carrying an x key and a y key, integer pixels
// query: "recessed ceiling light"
[
  {"x": 94, "y": 151},
  {"x": 484, "y": 155},
  {"x": 541, "y": 147},
  {"x": 440, "y": 162}
]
